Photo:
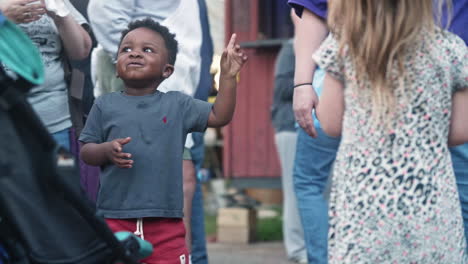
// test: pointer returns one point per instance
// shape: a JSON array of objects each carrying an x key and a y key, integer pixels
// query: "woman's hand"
[
  {"x": 23, "y": 11},
  {"x": 56, "y": 8}
]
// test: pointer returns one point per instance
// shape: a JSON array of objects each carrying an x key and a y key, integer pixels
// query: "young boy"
[{"x": 137, "y": 138}]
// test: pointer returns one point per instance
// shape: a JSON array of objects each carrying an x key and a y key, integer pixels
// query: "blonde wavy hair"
[{"x": 377, "y": 35}]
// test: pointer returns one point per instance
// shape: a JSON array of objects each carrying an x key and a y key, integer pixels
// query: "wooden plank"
[
  {"x": 235, "y": 235},
  {"x": 236, "y": 217}
]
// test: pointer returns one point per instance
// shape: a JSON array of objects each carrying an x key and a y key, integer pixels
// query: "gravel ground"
[{"x": 254, "y": 253}]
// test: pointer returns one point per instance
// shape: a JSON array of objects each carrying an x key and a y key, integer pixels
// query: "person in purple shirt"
[
  {"x": 314, "y": 156},
  {"x": 315, "y": 150},
  {"x": 459, "y": 19}
]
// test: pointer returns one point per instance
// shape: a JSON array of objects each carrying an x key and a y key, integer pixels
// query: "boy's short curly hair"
[{"x": 169, "y": 38}]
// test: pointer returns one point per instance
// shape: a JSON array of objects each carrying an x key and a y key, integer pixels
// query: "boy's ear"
[{"x": 168, "y": 70}]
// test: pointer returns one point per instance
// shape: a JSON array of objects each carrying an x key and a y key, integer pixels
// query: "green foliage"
[
  {"x": 269, "y": 229},
  {"x": 210, "y": 224}
]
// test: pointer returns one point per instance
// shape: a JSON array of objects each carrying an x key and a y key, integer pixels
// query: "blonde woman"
[{"x": 391, "y": 76}]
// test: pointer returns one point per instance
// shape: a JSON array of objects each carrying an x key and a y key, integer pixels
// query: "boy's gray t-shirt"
[{"x": 158, "y": 124}]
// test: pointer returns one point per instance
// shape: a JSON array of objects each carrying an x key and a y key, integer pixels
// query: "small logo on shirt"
[{"x": 164, "y": 120}]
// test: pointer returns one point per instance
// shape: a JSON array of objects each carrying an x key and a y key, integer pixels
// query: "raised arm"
[
  {"x": 76, "y": 40},
  {"x": 310, "y": 31},
  {"x": 459, "y": 121},
  {"x": 232, "y": 60}
]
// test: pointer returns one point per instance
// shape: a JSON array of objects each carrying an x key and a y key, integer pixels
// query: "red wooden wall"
[{"x": 249, "y": 149}]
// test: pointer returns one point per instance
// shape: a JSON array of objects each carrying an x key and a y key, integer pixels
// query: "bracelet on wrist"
[{"x": 301, "y": 84}]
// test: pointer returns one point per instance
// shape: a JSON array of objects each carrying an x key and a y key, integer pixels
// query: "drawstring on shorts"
[{"x": 139, "y": 228}]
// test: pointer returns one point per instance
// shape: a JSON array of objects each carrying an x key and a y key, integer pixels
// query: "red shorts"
[{"x": 167, "y": 235}]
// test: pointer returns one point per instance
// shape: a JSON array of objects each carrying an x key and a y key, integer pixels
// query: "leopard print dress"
[{"x": 394, "y": 197}]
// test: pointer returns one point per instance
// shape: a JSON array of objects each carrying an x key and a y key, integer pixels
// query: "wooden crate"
[{"x": 236, "y": 225}]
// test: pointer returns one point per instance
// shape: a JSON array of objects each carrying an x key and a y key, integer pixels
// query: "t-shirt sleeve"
[
  {"x": 459, "y": 62},
  {"x": 318, "y": 7},
  {"x": 328, "y": 58},
  {"x": 196, "y": 113},
  {"x": 79, "y": 18},
  {"x": 92, "y": 131}
]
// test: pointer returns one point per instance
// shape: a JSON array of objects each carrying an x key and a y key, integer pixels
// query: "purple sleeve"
[{"x": 318, "y": 7}]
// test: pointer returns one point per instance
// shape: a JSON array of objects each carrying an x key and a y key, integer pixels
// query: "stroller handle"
[{"x": 135, "y": 246}]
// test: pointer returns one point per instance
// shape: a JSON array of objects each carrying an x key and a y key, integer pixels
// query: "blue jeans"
[
  {"x": 199, "y": 255},
  {"x": 314, "y": 159},
  {"x": 62, "y": 138},
  {"x": 460, "y": 167}
]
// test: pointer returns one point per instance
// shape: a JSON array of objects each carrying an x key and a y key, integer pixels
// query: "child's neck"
[{"x": 140, "y": 90}]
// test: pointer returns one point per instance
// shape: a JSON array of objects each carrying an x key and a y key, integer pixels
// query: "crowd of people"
[
  {"x": 378, "y": 91},
  {"x": 65, "y": 32},
  {"x": 370, "y": 99}
]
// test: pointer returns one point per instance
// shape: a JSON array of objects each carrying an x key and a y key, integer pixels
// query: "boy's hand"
[
  {"x": 115, "y": 154},
  {"x": 233, "y": 58}
]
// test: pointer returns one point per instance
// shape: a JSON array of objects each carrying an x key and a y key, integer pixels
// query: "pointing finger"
[{"x": 232, "y": 41}]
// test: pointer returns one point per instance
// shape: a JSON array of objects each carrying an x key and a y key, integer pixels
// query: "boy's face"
[{"x": 143, "y": 57}]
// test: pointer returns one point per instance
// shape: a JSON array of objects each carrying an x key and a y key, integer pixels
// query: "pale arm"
[
  {"x": 459, "y": 122},
  {"x": 330, "y": 110},
  {"x": 310, "y": 31},
  {"x": 76, "y": 40},
  {"x": 189, "y": 185}
]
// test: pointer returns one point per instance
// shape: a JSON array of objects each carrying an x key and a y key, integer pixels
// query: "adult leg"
[
  {"x": 313, "y": 161},
  {"x": 199, "y": 253},
  {"x": 189, "y": 177},
  {"x": 106, "y": 74},
  {"x": 292, "y": 227},
  {"x": 460, "y": 167},
  {"x": 63, "y": 138}
]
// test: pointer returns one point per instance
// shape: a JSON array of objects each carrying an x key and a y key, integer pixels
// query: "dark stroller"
[{"x": 44, "y": 215}]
